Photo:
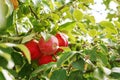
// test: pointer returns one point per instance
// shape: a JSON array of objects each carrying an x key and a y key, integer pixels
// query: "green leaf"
[
  {"x": 92, "y": 53},
  {"x": 3, "y": 61},
  {"x": 103, "y": 58},
  {"x": 2, "y": 76},
  {"x": 82, "y": 27},
  {"x": 107, "y": 2},
  {"x": 87, "y": 1},
  {"x": 65, "y": 56},
  {"x": 116, "y": 76},
  {"x": 28, "y": 38},
  {"x": 77, "y": 14},
  {"x": 59, "y": 75},
  {"x": 55, "y": 16},
  {"x": 93, "y": 32},
  {"x": 6, "y": 9},
  {"x": 79, "y": 64},
  {"x": 25, "y": 71},
  {"x": 67, "y": 26},
  {"x": 98, "y": 73},
  {"x": 17, "y": 58},
  {"x": 66, "y": 49},
  {"x": 108, "y": 27},
  {"x": 90, "y": 18},
  {"x": 41, "y": 68},
  {"x": 76, "y": 75},
  {"x": 71, "y": 37},
  {"x": 104, "y": 48},
  {"x": 22, "y": 47},
  {"x": 117, "y": 24},
  {"x": 25, "y": 50}
]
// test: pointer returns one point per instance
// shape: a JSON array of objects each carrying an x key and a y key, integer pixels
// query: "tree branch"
[{"x": 33, "y": 12}]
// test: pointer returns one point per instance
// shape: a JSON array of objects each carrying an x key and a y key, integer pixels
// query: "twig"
[
  {"x": 68, "y": 4},
  {"x": 33, "y": 12},
  {"x": 16, "y": 29}
]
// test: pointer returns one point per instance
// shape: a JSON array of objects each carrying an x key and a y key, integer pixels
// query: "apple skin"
[
  {"x": 62, "y": 39},
  {"x": 48, "y": 47},
  {"x": 45, "y": 59},
  {"x": 32, "y": 45}
]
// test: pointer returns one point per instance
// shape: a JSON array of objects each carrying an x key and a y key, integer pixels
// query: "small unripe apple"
[
  {"x": 46, "y": 59},
  {"x": 48, "y": 47},
  {"x": 34, "y": 49},
  {"x": 62, "y": 39}
]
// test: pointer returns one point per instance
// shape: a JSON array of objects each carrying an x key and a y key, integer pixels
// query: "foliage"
[{"x": 93, "y": 52}]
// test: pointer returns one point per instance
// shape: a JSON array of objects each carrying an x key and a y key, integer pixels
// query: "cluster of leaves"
[{"x": 93, "y": 53}]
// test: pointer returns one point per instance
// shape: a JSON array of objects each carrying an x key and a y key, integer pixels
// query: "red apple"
[
  {"x": 46, "y": 59},
  {"x": 48, "y": 47},
  {"x": 62, "y": 39},
  {"x": 34, "y": 49}
]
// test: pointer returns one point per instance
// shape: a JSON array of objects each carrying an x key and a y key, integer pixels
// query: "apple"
[
  {"x": 46, "y": 59},
  {"x": 62, "y": 39},
  {"x": 32, "y": 45},
  {"x": 48, "y": 47}
]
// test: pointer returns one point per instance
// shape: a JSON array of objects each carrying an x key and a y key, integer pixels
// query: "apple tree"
[{"x": 58, "y": 40}]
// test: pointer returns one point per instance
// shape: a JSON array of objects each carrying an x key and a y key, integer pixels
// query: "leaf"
[
  {"x": 104, "y": 48},
  {"x": 90, "y": 18},
  {"x": 77, "y": 14},
  {"x": 116, "y": 76},
  {"x": 28, "y": 38},
  {"x": 25, "y": 71},
  {"x": 98, "y": 74},
  {"x": 3, "y": 61},
  {"x": 65, "y": 49},
  {"x": 22, "y": 47},
  {"x": 108, "y": 27},
  {"x": 41, "y": 68},
  {"x": 5, "y": 13},
  {"x": 107, "y": 2},
  {"x": 25, "y": 50},
  {"x": 67, "y": 26},
  {"x": 71, "y": 37},
  {"x": 59, "y": 75},
  {"x": 2, "y": 76},
  {"x": 106, "y": 24},
  {"x": 17, "y": 58},
  {"x": 102, "y": 57},
  {"x": 55, "y": 16},
  {"x": 79, "y": 64},
  {"x": 82, "y": 27},
  {"x": 93, "y": 32},
  {"x": 65, "y": 56},
  {"x": 92, "y": 53},
  {"x": 117, "y": 24},
  {"x": 76, "y": 75},
  {"x": 87, "y": 1}
]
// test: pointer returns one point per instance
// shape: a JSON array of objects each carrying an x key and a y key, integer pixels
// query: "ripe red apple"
[
  {"x": 62, "y": 39},
  {"x": 46, "y": 59},
  {"x": 48, "y": 47},
  {"x": 32, "y": 45}
]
